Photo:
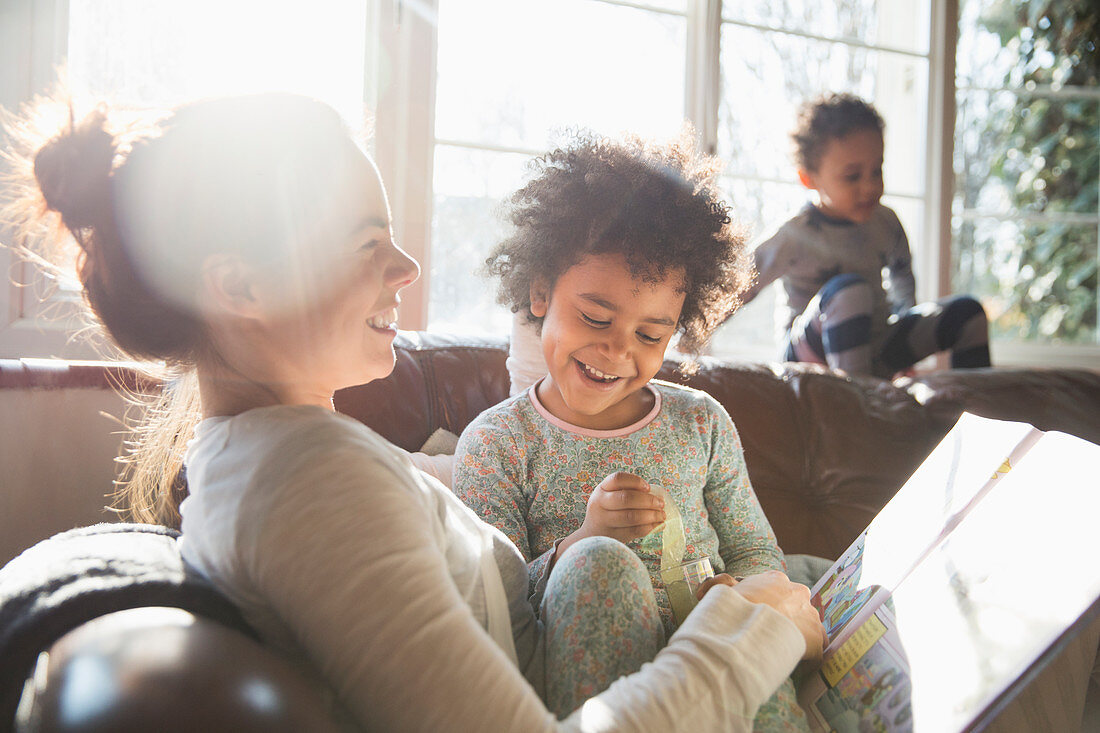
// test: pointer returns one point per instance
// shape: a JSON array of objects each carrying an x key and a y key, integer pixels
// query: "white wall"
[{"x": 57, "y": 452}]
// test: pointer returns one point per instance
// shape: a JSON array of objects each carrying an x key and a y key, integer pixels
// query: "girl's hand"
[
  {"x": 773, "y": 588},
  {"x": 621, "y": 507}
]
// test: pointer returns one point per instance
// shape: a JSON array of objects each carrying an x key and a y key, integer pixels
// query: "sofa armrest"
[{"x": 165, "y": 669}]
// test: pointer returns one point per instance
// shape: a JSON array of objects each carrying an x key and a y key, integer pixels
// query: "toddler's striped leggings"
[{"x": 835, "y": 329}]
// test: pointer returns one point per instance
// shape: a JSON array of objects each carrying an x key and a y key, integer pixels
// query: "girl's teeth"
[{"x": 597, "y": 373}]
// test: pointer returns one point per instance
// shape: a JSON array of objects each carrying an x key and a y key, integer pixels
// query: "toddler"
[
  {"x": 618, "y": 247},
  {"x": 843, "y": 262}
]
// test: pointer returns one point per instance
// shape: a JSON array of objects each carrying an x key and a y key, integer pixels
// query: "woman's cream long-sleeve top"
[{"x": 340, "y": 552}]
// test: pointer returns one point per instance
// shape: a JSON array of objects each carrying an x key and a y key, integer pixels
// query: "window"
[
  {"x": 30, "y": 43},
  {"x": 774, "y": 56},
  {"x": 1026, "y": 211},
  {"x": 511, "y": 77},
  {"x": 501, "y": 90},
  {"x": 466, "y": 91},
  {"x": 154, "y": 54}
]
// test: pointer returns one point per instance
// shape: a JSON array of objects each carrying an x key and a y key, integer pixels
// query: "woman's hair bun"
[{"x": 73, "y": 171}]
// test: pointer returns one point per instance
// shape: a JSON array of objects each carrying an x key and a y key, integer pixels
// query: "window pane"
[
  {"x": 761, "y": 208},
  {"x": 161, "y": 52},
  {"x": 510, "y": 72},
  {"x": 1008, "y": 43},
  {"x": 766, "y": 76},
  {"x": 1029, "y": 154},
  {"x": 750, "y": 335},
  {"x": 503, "y": 80},
  {"x": 911, "y": 214},
  {"x": 1036, "y": 280},
  {"x": 466, "y": 225},
  {"x": 901, "y": 24}
]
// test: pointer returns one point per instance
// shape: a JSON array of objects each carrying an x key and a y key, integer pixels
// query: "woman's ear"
[
  {"x": 229, "y": 286},
  {"x": 540, "y": 298}
]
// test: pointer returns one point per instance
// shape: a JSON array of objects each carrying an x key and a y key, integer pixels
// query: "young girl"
[
  {"x": 248, "y": 242},
  {"x": 619, "y": 246}
]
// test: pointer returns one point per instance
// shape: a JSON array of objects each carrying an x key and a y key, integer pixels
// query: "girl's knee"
[
  {"x": 601, "y": 619},
  {"x": 604, "y": 567},
  {"x": 599, "y": 556}
]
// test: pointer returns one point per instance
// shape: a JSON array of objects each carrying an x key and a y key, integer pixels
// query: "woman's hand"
[
  {"x": 773, "y": 588},
  {"x": 621, "y": 507}
]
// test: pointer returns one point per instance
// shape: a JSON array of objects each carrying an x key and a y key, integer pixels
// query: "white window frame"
[
  {"x": 926, "y": 257},
  {"x": 404, "y": 131},
  {"x": 1007, "y": 353},
  {"x": 28, "y": 62},
  {"x": 404, "y": 140}
]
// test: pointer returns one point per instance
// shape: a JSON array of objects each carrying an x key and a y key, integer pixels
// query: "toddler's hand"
[
  {"x": 622, "y": 507},
  {"x": 773, "y": 588}
]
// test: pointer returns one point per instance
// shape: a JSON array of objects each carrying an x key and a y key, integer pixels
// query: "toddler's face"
[
  {"x": 848, "y": 178},
  {"x": 604, "y": 336}
]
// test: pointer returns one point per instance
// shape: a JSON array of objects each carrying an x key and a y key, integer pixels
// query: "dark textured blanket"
[{"x": 82, "y": 574}]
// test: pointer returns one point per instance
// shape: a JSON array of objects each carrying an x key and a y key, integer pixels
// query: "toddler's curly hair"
[
  {"x": 830, "y": 117},
  {"x": 656, "y": 204}
]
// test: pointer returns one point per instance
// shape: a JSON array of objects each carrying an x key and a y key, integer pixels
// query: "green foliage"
[{"x": 1046, "y": 156}]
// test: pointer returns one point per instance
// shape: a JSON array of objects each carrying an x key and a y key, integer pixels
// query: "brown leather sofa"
[{"x": 825, "y": 452}]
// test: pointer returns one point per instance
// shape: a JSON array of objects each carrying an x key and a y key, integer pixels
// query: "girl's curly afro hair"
[{"x": 657, "y": 205}]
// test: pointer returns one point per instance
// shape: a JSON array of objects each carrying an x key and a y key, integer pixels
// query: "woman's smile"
[{"x": 385, "y": 321}]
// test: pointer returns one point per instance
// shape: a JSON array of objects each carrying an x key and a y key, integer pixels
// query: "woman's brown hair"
[{"x": 146, "y": 199}]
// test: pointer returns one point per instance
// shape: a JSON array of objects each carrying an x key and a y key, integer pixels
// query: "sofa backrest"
[{"x": 825, "y": 452}]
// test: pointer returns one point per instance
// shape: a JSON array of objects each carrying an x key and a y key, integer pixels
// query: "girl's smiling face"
[{"x": 604, "y": 335}]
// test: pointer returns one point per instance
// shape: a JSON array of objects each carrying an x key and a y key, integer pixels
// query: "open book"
[{"x": 972, "y": 578}]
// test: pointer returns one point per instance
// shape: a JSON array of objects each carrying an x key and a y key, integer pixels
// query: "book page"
[
  {"x": 1016, "y": 572},
  {"x": 842, "y": 599},
  {"x": 864, "y": 686},
  {"x": 965, "y": 465}
]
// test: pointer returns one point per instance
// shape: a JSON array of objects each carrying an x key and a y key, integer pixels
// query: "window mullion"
[
  {"x": 33, "y": 41},
  {"x": 939, "y": 168},
  {"x": 405, "y": 133},
  {"x": 702, "y": 87}
]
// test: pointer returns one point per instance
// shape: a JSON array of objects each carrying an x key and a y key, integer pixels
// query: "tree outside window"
[{"x": 1027, "y": 146}]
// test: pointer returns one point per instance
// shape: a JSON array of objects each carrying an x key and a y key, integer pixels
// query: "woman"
[{"x": 248, "y": 241}]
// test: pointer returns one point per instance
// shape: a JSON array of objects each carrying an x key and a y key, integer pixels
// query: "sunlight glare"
[{"x": 160, "y": 53}]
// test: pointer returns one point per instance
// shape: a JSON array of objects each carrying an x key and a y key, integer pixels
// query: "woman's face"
[{"x": 338, "y": 323}]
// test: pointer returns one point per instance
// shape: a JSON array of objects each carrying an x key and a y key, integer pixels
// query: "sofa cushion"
[{"x": 82, "y": 574}]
